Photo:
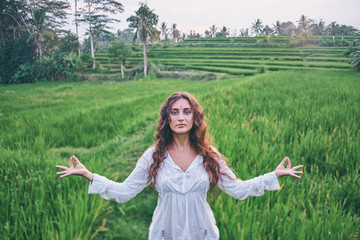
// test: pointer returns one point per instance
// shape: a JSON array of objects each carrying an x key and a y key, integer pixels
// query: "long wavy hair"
[{"x": 199, "y": 139}]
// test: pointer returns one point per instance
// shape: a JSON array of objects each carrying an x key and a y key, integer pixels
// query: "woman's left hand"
[{"x": 281, "y": 170}]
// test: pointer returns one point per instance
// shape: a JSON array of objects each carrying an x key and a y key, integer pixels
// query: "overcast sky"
[{"x": 199, "y": 15}]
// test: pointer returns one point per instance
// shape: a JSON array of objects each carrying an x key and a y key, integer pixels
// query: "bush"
[
  {"x": 14, "y": 54},
  {"x": 86, "y": 60},
  {"x": 261, "y": 69},
  {"x": 23, "y": 74},
  {"x": 355, "y": 53}
]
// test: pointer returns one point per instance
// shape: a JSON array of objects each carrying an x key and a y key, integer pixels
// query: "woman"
[{"x": 182, "y": 166}]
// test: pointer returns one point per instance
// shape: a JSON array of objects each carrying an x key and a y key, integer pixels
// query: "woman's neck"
[{"x": 181, "y": 142}]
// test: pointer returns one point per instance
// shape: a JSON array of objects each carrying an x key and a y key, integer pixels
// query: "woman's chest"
[{"x": 172, "y": 179}]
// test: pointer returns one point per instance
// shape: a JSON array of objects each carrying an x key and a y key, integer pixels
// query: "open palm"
[
  {"x": 79, "y": 169},
  {"x": 281, "y": 170}
]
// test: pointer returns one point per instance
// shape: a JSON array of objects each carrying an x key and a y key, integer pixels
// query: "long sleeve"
[
  {"x": 242, "y": 189},
  {"x": 133, "y": 184}
]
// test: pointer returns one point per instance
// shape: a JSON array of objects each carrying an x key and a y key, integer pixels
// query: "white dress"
[{"x": 182, "y": 212}]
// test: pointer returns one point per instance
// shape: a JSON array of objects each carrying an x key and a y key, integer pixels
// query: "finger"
[
  {"x": 63, "y": 172},
  {"x": 65, "y": 175},
  {"x": 75, "y": 159},
  {"x": 72, "y": 159},
  {"x": 71, "y": 162},
  {"x": 294, "y": 175},
  {"x": 298, "y": 172},
  {"x": 282, "y": 162},
  {"x": 62, "y": 167},
  {"x": 297, "y": 167}
]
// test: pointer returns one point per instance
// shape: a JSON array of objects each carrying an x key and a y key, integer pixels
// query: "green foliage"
[
  {"x": 41, "y": 20},
  {"x": 94, "y": 13},
  {"x": 126, "y": 36},
  {"x": 310, "y": 116},
  {"x": 67, "y": 44},
  {"x": 225, "y": 56},
  {"x": 86, "y": 59},
  {"x": 144, "y": 23},
  {"x": 354, "y": 52},
  {"x": 46, "y": 69},
  {"x": 72, "y": 64},
  {"x": 13, "y": 55},
  {"x": 224, "y": 32},
  {"x": 23, "y": 74},
  {"x": 261, "y": 69},
  {"x": 19, "y": 66},
  {"x": 119, "y": 51},
  {"x": 54, "y": 68},
  {"x": 257, "y": 27}
]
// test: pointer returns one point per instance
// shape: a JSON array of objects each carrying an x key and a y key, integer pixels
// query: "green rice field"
[
  {"x": 240, "y": 56},
  {"x": 306, "y": 111}
]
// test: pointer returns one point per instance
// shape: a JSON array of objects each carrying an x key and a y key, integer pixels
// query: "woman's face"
[{"x": 181, "y": 117}]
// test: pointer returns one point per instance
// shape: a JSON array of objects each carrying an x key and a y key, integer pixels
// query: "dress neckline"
[{"x": 173, "y": 162}]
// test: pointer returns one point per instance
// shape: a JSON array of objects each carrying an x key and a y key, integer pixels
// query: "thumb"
[{"x": 282, "y": 163}]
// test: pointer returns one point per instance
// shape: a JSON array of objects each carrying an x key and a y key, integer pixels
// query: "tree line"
[
  {"x": 304, "y": 26},
  {"x": 33, "y": 45}
]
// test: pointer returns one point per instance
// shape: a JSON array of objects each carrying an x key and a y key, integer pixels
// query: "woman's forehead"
[{"x": 181, "y": 104}]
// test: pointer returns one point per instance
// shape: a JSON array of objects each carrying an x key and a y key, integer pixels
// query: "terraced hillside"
[{"x": 240, "y": 56}]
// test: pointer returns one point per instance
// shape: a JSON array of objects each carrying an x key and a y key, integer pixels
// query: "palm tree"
[
  {"x": 164, "y": 30},
  {"x": 318, "y": 28},
  {"x": 333, "y": 28},
  {"x": 175, "y": 33},
  {"x": 213, "y": 30},
  {"x": 244, "y": 32},
  {"x": 277, "y": 28},
  {"x": 321, "y": 25},
  {"x": 223, "y": 33},
  {"x": 257, "y": 27},
  {"x": 267, "y": 30},
  {"x": 41, "y": 18},
  {"x": 144, "y": 23},
  {"x": 304, "y": 28},
  {"x": 304, "y": 24}
]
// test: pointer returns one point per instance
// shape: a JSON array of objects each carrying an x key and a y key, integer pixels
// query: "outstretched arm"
[
  {"x": 256, "y": 186},
  {"x": 107, "y": 189},
  {"x": 281, "y": 170},
  {"x": 79, "y": 169}
]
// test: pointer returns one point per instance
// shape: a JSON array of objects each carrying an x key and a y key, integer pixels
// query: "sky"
[{"x": 199, "y": 15}]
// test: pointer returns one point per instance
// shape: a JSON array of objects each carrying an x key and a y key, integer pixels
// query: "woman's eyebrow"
[{"x": 186, "y": 108}]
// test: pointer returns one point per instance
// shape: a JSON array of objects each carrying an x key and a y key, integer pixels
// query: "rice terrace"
[{"x": 265, "y": 97}]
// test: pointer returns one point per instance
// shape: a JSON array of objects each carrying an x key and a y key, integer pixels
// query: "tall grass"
[
  {"x": 312, "y": 117},
  {"x": 44, "y": 124}
]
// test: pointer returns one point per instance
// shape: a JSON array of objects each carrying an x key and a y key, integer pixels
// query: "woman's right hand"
[{"x": 79, "y": 169}]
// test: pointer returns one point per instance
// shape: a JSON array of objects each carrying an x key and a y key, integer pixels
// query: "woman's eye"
[
  {"x": 187, "y": 112},
  {"x": 173, "y": 112}
]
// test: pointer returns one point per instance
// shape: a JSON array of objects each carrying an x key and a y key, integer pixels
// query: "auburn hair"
[{"x": 199, "y": 139}]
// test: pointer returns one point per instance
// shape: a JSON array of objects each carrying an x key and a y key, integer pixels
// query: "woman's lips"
[{"x": 181, "y": 125}]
